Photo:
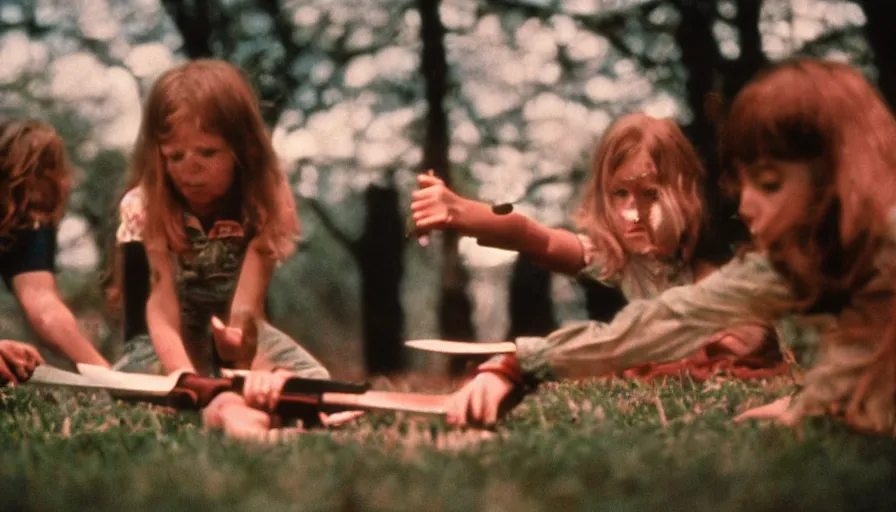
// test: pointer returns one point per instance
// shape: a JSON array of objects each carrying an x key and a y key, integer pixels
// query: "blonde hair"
[
  {"x": 34, "y": 176},
  {"x": 217, "y": 96},
  {"x": 656, "y": 144}
]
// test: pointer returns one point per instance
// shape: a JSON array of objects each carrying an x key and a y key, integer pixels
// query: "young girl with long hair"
[
  {"x": 640, "y": 221},
  {"x": 811, "y": 146},
  {"x": 34, "y": 184},
  {"x": 211, "y": 205}
]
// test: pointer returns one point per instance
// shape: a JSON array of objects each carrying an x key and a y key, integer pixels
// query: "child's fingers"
[
  {"x": 277, "y": 382},
  {"x": 233, "y": 335},
  {"x": 434, "y": 221},
  {"x": 428, "y": 180},
  {"x": 423, "y": 207},
  {"x": 28, "y": 354},
  {"x": 23, "y": 369},
  {"x": 420, "y": 195},
  {"x": 256, "y": 390},
  {"x": 456, "y": 411},
  {"x": 217, "y": 324},
  {"x": 491, "y": 400},
  {"x": 6, "y": 373},
  {"x": 773, "y": 410},
  {"x": 478, "y": 407},
  {"x": 339, "y": 418},
  {"x": 34, "y": 356}
]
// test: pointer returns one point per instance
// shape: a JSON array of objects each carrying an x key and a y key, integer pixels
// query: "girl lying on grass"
[
  {"x": 212, "y": 207},
  {"x": 813, "y": 150},
  {"x": 34, "y": 183},
  {"x": 642, "y": 215}
]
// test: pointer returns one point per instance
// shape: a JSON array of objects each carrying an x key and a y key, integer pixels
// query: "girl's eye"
[
  {"x": 620, "y": 192},
  {"x": 208, "y": 152},
  {"x": 770, "y": 186},
  {"x": 652, "y": 193},
  {"x": 175, "y": 156}
]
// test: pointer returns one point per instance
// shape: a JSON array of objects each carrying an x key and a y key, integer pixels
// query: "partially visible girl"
[
  {"x": 211, "y": 206},
  {"x": 815, "y": 167},
  {"x": 641, "y": 218},
  {"x": 34, "y": 184}
]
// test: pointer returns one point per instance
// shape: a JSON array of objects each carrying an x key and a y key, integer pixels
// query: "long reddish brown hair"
[
  {"x": 34, "y": 176},
  {"x": 825, "y": 114},
  {"x": 680, "y": 172},
  {"x": 215, "y": 95}
]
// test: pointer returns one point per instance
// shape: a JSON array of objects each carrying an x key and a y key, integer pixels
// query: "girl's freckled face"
[
  {"x": 775, "y": 198},
  {"x": 200, "y": 164},
  {"x": 634, "y": 201}
]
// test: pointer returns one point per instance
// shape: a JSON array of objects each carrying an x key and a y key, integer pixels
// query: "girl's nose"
[
  {"x": 631, "y": 215},
  {"x": 194, "y": 164},
  {"x": 747, "y": 208}
]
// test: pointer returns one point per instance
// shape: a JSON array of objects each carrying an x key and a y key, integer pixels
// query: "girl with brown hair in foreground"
[{"x": 813, "y": 149}]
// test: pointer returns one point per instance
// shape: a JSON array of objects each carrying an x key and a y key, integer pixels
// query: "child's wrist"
[
  {"x": 458, "y": 214},
  {"x": 506, "y": 366}
]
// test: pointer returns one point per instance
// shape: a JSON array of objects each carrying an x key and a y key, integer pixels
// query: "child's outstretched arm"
[
  {"x": 163, "y": 315},
  {"x": 51, "y": 319},
  {"x": 672, "y": 326},
  {"x": 434, "y": 206}
]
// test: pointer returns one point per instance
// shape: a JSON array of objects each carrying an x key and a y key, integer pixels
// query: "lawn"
[{"x": 592, "y": 445}]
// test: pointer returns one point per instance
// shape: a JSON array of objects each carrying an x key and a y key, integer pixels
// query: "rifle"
[{"x": 301, "y": 398}]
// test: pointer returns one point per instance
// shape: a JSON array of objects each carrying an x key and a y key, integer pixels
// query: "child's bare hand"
[
  {"x": 739, "y": 342},
  {"x": 479, "y": 401},
  {"x": 230, "y": 412},
  {"x": 337, "y": 419},
  {"x": 228, "y": 340},
  {"x": 433, "y": 204},
  {"x": 739, "y": 346},
  {"x": 262, "y": 389},
  {"x": 773, "y": 411},
  {"x": 18, "y": 361}
]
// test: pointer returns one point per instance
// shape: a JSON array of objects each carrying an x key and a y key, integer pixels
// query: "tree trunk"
[
  {"x": 379, "y": 253},
  {"x": 712, "y": 83},
  {"x": 531, "y": 309},
  {"x": 882, "y": 39},
  {"x": 194, "y": 23},
  {"x": 602, "y": 302},
  {"x": 455, "y": 321}
]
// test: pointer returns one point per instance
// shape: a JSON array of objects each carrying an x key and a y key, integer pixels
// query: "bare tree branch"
[{"x": 826, "y": 40}]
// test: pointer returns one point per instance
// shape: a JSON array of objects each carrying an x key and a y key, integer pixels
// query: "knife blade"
[{"x": 461, "y": 347}]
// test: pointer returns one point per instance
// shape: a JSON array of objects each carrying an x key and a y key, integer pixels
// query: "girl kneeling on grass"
[
  {"x": 642, "y": 215},
  {"x": 813, "y": 149},
  {"x": 211, "y": 205},
  {"x": 34, "y": 182}
]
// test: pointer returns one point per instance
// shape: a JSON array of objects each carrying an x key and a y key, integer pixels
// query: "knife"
[{"x": 461, "y": 347}]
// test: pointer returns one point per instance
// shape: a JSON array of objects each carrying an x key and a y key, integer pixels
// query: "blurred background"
[{"x": 504, "y": 99}]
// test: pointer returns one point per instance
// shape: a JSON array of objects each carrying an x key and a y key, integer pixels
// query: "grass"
[{"x": 608, "y": 446}]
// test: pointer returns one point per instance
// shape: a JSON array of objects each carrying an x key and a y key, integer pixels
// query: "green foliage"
[{"x": 607, "y": 446}]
